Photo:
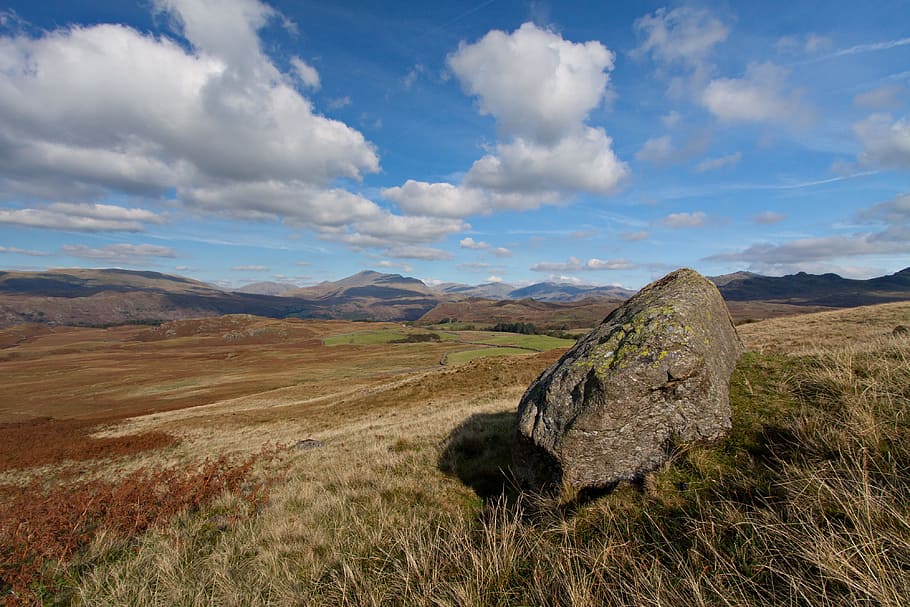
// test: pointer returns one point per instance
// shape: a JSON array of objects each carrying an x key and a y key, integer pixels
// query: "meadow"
[{"x": 172, "y": 472}]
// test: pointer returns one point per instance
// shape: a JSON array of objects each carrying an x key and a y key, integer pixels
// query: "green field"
[
  {"x": 469, "y": 355},
  {"x": 365, "y": 338},
  {"x": 531, "y": 342}
]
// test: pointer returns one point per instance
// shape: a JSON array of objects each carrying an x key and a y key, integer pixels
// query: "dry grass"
[{"x": 805, "y": 503}]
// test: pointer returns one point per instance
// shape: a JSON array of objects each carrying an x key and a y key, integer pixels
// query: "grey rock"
[{"x": 656, "y": 372}]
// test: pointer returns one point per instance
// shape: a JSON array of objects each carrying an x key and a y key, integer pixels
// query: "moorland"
[{"x": 248, "y": 460}]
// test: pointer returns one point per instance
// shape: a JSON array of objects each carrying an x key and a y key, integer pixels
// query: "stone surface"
[{"x": 654, "y": 373}]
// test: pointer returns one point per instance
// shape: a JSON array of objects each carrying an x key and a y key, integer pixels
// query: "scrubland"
[{"x": 407, "y": 499}]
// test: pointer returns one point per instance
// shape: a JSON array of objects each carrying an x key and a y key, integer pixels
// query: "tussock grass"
[{"x": 805, "y": 502}]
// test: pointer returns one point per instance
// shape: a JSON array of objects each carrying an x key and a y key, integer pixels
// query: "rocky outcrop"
[{"x": 654, "y": 373}]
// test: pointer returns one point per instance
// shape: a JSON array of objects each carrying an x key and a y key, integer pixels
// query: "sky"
[{"x": 607, "y": 142}]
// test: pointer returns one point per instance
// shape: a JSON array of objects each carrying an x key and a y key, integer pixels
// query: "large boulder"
[{"x": 654, "y": 373}]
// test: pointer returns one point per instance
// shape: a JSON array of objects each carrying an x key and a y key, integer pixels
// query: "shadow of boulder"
[{"x": 479, "y": 453}]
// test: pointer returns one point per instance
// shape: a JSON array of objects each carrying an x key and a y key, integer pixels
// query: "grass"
[
  {"x": 530, "y": 342},
  {"x": 409, "y": 502},
  {"x": 456, "y": 358},
  {"x": 365, "y": 338}
]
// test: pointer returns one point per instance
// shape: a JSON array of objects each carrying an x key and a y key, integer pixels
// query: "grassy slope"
[{"x": 806, "y": 501}]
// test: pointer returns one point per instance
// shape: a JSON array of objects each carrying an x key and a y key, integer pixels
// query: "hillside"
[
  {"x": 828, "y": 290},
  {"x": 390, "y": 482},
  {"x": 112, "y": 296}
]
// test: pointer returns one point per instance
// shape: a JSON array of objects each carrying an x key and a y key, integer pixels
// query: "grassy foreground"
[{"x": 806, "y": 502}]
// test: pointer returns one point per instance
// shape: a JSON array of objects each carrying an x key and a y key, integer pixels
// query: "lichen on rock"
[{"x": 656, "y": 371}]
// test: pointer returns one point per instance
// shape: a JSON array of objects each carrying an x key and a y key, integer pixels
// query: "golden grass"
[{"x": 805, "y": 503}]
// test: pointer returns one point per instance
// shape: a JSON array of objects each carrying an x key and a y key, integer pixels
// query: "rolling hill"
[{"x": 115, "y": 296}]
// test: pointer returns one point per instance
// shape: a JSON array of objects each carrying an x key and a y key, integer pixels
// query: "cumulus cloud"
[
  {"x": 388, "y": 230},
  {"x": 573, "y": 264},
  {"x": 81, "y": 217},
  {"x": 581, "y": 161},
  {"x": 685, "y": 220},
  {"x": 494, "y": 279},
  {"x": 714, "y": 164},
  {"x": 119, "y": 253},
  {"x": 536, "y": 84},
  {"x": 886, "y": 141},
  {"x": 470, "y": 243},
  {"x": 540, "y": 88},
  {"x": 501, "y": 252},
  {"x": 87, "y": 112},
  {"x": 759, "y": 96},
  {"x": 437, "y": 199},
  {"x": 768, "y": 218}
]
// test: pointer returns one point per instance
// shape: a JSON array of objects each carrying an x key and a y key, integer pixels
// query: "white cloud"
[
  {"x": 683, "y": 37},
  {"x": 501, "y": 252},
  {"x": 714, "y": 164},
  {"x": 684, "y": 34},
  {"x": 494, "y": 279},
  {"x": 536, "y": 84},
  {"x": 306, "y": 72},
  {"x": 811, "y": 254},
  {"x": 685, "y": 220},
  {"x": 797, "y": 254},
  {"x": 339, "y": 102},
  {"x": 250, "y": 268},
  {"x": 81, "y": 217},
  {"x": 886, "y": 142},
  {"x": 573, "y": 264},
  {"x": 86, "y": 112},
  {"x": 404, "y": 267},
  {"x": 120, "y": 253},
  {"x": 437, "y": 199},
  {"x": 18, "y": 251},
  {"x": 470, "y": 243},
  {"x": 609, "y": 264},
  {"x": 768, "y": 218},
  {"x": 757, "y": 97},
  {"x": 412, "y": 75},
  {"x": 583, "y": 161},
  {"x": 418, "y": 252},
  {"x": 540, "y": 88}
]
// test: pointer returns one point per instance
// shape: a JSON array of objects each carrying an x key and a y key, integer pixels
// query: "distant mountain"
[
  {"x": 489, "y": 290},
  {"x": 266, "y": 288},
  {"x": 828, "y": 290},
  {"x": 542, "y": 291},
  {"x": 554, "y": 291},
  {"x": 112, "y": 296}
]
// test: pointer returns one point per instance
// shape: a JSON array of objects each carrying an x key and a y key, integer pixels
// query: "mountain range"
[{"x": 115, "y": 296}]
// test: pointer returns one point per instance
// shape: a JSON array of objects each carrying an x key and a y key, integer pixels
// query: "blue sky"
[{"x": 595, "y": 142}]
